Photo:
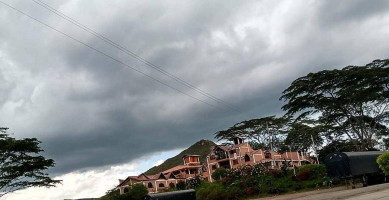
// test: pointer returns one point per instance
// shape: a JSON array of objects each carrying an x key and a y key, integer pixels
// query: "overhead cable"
[
  {"x": 109, "y": 56},
  {"x": 134, "y": 55}
]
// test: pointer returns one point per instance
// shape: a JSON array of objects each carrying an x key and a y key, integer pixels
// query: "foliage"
[
  {"x": 172, "y": 186},
  {"x": 181, "y": 185},
  {"x": 255, "y": 145},
  {"x": 353, "y": 101},
  {"x": 240, "y": 183},
  {"x": 136, "y": 192},
  {"x": 193, "y": 182},
  {"x": 252, "y": 170},
  {"x": 21, "y": 166},
  {"x": 215, "y": 191},
  {"x": 300, "y": 136},
  {"x": 309, "y": 172},
  {"x": 202, "y": 148},
  {"x": 383, "y": 162},
  {"x": 112, "y": 194},
  {"x": 268, "y": 132},
  {"x": 219, "y": 173}
]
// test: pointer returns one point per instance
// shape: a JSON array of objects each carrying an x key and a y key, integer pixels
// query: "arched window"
[
  {"x": 267, "y": 154},
  {"x": 171, "y": 185},
  {"x": 150, "y": 185},
  {"x": 126, "y": 190},
  {"x": 246, "y": 158},
  {"x": 161, "y": 185}
]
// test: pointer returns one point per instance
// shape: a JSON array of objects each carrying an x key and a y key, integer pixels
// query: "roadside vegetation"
[
  {"x": 383, "y": 162},
  {"x": 258, "y": 181},
  {"x": 136, "y": 192}
]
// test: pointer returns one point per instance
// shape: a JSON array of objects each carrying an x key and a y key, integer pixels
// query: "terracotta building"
[
  {"x": 166, "y": 179},
  {"x": 237, "y": 155},
  {"x": 241, "y": 153}
]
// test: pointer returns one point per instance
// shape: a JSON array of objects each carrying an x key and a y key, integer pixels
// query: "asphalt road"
[{"x": 375, "y": 192}]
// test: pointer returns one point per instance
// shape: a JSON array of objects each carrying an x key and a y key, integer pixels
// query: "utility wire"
[
  {"x": 134, "y": 55},
  {"x": 108, "y": 56}
]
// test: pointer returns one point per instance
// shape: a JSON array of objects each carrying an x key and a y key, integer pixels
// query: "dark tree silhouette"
[
  {"x": 353, "y": 101},
  {"x": 21, "y": 166},
  {"x": 268, "y": 132}
]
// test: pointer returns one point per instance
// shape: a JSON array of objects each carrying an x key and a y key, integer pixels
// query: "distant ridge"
[{"x": 202, "y": 148}]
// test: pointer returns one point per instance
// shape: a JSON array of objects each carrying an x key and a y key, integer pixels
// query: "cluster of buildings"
[{"x": 230, "y": 157}]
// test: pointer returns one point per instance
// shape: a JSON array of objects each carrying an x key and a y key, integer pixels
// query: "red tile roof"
[
  {"x": 224, "y": 148},
  {"x": 180, "y": 167}
]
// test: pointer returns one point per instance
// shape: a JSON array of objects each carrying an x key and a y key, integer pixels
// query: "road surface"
[{"x": 375, "y": 192}]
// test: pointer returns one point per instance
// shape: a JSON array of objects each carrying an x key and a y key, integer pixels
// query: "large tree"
[
  {"x": 303, "y": 136},
  {"x": 21, "y": 166},
  {"x": 353, "y": 101},
  {"x": 268, "y": 132}
]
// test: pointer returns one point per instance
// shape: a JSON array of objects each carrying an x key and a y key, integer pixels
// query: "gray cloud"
[{"x": 89, "y": 111}]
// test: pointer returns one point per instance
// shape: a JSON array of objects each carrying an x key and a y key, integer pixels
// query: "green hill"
[{"x": 202, "y": 148}]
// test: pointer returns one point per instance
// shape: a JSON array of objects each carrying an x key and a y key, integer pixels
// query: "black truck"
[
  {"x": 176, "y": 195},
  {"x": 350, "y": 165}
]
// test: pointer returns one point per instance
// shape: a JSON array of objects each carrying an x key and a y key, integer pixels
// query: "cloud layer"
[
  {"x": 88, "y": 184},
  {"x": 89, "y": 111}
]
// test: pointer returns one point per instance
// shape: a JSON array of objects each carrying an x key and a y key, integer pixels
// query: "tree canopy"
[
  {"x": 267, "y": 132},
  {"x": 353, "y": 101},
  {"x": 301, "y": 135},
  {"x": 21, "y": 166}
]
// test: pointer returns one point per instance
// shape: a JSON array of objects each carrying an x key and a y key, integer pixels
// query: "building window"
[
  {"x": 213, "y": 167},
  {"x": 126, "y": 190},
  {"x": 171, "y": 185},
  {"x": 267, "y": 155},
  {"x": 161, "y": 185},
  {"x": 150, "y": 185},
  {"x": 246, "y": 158}
]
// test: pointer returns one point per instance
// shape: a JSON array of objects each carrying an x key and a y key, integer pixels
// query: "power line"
[
  {"x": 108, "y": 56},
  {"x": 134, "y": 55}
]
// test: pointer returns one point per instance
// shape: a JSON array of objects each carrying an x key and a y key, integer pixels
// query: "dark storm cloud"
[
  {"x": 341, "y": 12},
  {"x": 90, "y": 111}
]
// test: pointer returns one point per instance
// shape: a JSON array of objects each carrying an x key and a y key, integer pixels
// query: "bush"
[
  {"x": 247, "y": 181},
  {"x": 112, "y": 194},
  {"x": 219, "y": 173},
  {"x": 304, "y": 174},
  {"x": 277, "y": 173},
  {"x": 137, "y": 191},
  {"x": 181, "y": 185},
  {"x": 383, "y": 162},
  {"x": 251, "y": 170},
  {"x": 217, "y": 191},
  {"x": 193, "y": 182},
  {"x": 309, "y": 172}
]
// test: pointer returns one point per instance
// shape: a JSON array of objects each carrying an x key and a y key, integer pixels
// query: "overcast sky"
[{"x": 93, "y": 111}]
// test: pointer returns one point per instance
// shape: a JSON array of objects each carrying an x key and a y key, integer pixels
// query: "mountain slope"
[{"x": 202, "y": 148}]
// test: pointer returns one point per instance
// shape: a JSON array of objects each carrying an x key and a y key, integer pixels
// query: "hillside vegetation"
[{"x": 202, "y": 148}]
